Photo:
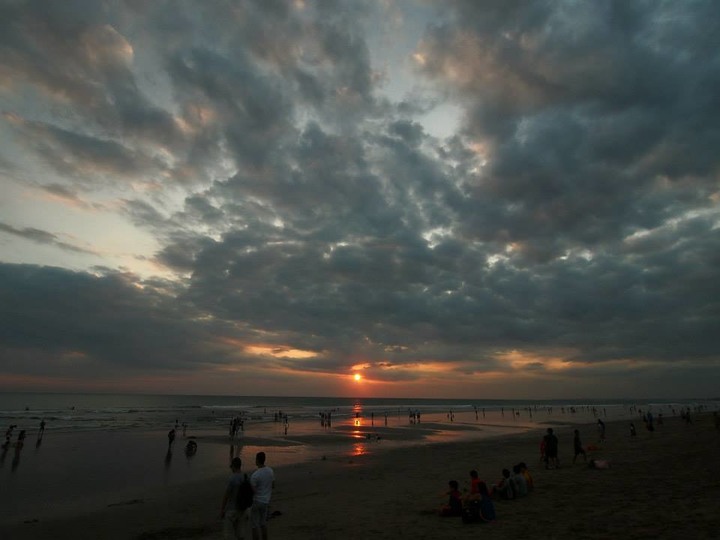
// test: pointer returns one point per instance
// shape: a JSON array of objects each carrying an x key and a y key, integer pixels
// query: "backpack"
[{"x": 244, "y": 497}]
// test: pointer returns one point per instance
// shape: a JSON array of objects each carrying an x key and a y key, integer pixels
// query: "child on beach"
[{"x": 454, "y": 504}]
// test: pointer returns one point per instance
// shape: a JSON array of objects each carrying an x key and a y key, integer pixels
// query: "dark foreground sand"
[{"x": 660, "y": 485}]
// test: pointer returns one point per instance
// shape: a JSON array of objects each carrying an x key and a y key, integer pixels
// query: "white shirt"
[{"x": 262, "y": 484}]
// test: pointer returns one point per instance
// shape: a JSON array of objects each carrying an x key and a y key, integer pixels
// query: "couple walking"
[{"x": 235, "y": 513}]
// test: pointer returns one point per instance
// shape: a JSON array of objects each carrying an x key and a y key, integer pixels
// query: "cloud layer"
[{"x": 563, "y": 241}]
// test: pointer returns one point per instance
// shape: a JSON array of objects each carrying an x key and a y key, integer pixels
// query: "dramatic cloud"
[{"x": 307, "y": 220}]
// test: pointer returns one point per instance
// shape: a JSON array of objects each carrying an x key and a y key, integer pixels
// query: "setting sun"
[{"x": 357, "y": 377}]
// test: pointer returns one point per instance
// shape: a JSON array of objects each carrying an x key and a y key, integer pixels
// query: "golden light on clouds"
[
  {"x": 278, "y": 351},
  {"x": 519, "y": 360}
]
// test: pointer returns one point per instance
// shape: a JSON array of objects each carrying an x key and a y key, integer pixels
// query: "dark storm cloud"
[
  {"x": 53, "y": 318},
  {"x": 572, "y": 216}
]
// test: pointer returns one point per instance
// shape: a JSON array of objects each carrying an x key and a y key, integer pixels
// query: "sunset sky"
[{"x": 471, "y": 199}]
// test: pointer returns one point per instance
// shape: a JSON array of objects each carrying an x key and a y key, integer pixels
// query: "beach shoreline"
[{"x": 394, "y": 492}]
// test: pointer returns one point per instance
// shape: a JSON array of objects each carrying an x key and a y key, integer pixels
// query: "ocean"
[{"x": 83, "y": 412}]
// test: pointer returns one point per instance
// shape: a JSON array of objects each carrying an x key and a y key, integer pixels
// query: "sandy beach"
[{"x": 664, "y": 484}]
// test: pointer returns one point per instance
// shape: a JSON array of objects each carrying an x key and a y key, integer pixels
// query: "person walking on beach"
[
  {"x": 578, "y": 447},
  {"x": 235, "y": 519},
  {"x": 601, "y": 430},
  {"x": 263, "y": 482}
]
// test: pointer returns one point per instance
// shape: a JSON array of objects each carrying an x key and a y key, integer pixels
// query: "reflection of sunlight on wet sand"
[{"x": 359, "y": 449}]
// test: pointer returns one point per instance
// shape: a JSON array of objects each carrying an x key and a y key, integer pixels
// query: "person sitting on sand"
[
  {"x": 528, "y": 477},
  {"x": 454, "y": 504},
  {"x": 520, "y": 482},
  {"x": 478, "y": 506},
  {"x": 505, "y": 488},
  {"x": 474, "y": 494},
  {"x": 487, "y": 508}
]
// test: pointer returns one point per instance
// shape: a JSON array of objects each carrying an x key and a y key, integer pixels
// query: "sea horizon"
[{"x": 310, "y": 396}]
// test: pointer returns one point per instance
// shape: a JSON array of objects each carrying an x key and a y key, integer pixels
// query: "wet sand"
[{"x": 664, "y": 484}]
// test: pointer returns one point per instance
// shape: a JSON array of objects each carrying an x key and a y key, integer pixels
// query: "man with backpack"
[{"x": 236, "y": 502}]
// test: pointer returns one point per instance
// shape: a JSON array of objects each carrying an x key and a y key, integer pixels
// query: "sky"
[{"x": 469, "y": 199}]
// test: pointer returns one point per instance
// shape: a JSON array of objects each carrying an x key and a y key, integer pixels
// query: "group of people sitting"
[{"x": 477, "y": 504}]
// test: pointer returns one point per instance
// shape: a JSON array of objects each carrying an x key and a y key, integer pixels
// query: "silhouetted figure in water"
[
  {"x": 8, "y": 435},
  {"x": 171, "y": 439},
  {"x": 18, "y": 448},
  {"x": 3, "y": 454},
  {"x": 191, "y": 449}
]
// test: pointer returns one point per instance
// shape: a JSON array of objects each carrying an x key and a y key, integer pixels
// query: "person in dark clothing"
[{"x": 551, "y": 450}]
